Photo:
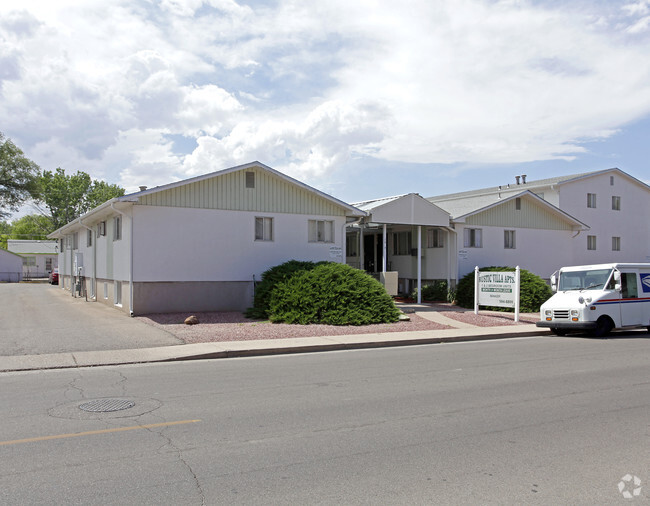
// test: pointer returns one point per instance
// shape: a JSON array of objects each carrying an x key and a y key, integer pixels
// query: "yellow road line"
[{"x": 94, "y": 432}]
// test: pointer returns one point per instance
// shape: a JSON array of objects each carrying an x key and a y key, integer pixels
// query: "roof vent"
[
  {"x": 518, "y": 178},
  {"x": 523, "y": 179},
  {"x": 143, "y": 188}
]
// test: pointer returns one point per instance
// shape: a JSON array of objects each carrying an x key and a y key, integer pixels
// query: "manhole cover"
[{"x": 106, "y": 405}]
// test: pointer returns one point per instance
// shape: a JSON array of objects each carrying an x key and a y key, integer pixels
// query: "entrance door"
[
  {"x": 631, "y": 307},
  {"x": 372, "y": 252}
]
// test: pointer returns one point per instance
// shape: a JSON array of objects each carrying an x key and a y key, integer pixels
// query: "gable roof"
[
  {"x": 472, "y": 206},
  {"x": 407, "y": 209},
  {"x": 107, "y": 208},
  {"x": 351, "y": 210},
  {"x": 533, "y": 185}
]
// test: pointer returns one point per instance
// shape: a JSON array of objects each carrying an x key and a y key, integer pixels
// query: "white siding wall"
[
  {"x": 182, "y": 244},
  {"x": 630, "y": 223},
  {"x": 539, "y": 251}
]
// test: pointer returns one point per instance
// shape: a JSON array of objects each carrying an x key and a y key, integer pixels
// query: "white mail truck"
[{"x": 598, "y": 299}]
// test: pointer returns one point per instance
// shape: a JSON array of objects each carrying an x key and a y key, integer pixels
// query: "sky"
[{"x": 360, "y": 99}]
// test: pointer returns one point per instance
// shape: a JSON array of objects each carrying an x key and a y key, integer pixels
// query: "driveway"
[{"x": 38, "y": 318}]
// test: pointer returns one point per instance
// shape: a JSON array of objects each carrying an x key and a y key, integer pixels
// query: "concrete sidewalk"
[{"x": 262, "y": 347}]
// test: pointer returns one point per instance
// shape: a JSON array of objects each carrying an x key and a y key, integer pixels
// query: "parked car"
[{"x": 54, "y": 277}]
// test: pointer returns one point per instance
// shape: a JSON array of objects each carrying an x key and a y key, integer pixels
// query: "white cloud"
[{"x": 303, "y": 86}]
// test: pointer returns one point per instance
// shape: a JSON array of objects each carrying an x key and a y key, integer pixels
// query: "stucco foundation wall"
[{"x": 191, "y": 296}]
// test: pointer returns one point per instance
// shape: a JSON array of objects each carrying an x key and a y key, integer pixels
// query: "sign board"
[
  {"x": 336, "y": 252},
  {"x": 498, "y": 289}
]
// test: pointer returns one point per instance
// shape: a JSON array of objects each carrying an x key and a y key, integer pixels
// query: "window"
[
  {"x": 629, "y": 286},
  {"x": 402, "y": 243},
  {"x": 48, "y": 264},
  {"x": 616, "y": 244},
  {"x": 352, "y": 247},
  {"x": 434, "y": 238},
  {"x": 250, "y": 179},
  {"x": 473, "y": 238},
  {"x": 518, "y": 204},
  {"x": 321, "y": 231},
  {"x": 118, "y": 293},
  {"x": 61, "y": 245},
  {"x": 75, "y": 240},
  {"x": 101, "y": 228},
  {"x": 611, "y": 180},
  {"x": 591, "y": 242},
  {"x": 509, "y": 239},
  {"x": 616, "y": 203},
  {"x": 89, "y": 238},
  {"x": 29, "y": 261},
  {"x": 263, "y": 229},
  {"x": 591, "y": 200},
  {"x": 117, "y": 228}
]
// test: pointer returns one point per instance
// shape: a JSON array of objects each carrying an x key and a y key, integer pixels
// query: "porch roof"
[{"x": 407, "y": 209}]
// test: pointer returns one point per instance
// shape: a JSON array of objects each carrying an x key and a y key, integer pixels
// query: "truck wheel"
[
  {"x": 559, "y": 332},
  {"x": 603, "y": 326}
]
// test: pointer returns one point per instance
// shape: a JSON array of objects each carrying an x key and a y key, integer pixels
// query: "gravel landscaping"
[{"x": 234, "y": 326}]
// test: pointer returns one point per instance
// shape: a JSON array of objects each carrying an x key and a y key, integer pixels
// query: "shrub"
[
  {"x": 533, "y": 290},
  {"x": 269, "y": 281},
  {"x": 436, "y": 291},
  {"x": 334, "y": 294}
]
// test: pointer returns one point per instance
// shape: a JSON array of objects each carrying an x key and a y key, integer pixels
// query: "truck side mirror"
[
  {"x": 617, "y": 281},
  {"x": 553, "y": 283}
]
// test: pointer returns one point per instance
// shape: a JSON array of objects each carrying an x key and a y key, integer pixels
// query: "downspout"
[
  {"x": 94, "y": 256},
  {"x": 451, "y": 231},
  {"x": 130, "y": 258}
]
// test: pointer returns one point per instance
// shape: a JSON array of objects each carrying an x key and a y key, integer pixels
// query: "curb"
[{"x": 235, "y": 349}]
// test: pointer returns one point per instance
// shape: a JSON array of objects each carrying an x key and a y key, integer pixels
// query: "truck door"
[{"x": 631, "y": 306}]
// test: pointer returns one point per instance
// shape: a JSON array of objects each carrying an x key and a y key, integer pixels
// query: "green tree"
[
  {"x": 18, "y": 177},
  {"x": 33, "y": 226},
  {"x": 5, "y": 230},
  {"x": 70, "y": 196}
]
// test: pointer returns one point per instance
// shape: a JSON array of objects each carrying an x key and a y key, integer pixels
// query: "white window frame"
[
  {"x": 320, "y": 231},
  {"x": 473, "y": 238},
  {"x": 591, "y": 243},
  {"x": 29, "y": 261},
  {"x": 89, "y": 238},
  {"x": 435, "y": 238},
  {"x": 591, "y": 200},
  {"x": 117, "y": 228},
  {"x": 75, "y": 240},
  {"x": 509, "y": 239},
  {"x": 117, "y": 293},
  {"x": 616, "y": 203},
  {"x": 616, "y": 243},
  {"x": 402, "y": 243},
  {"x": 264, "y": 228}
]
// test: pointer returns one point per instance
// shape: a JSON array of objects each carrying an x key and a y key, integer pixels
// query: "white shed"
[{"x": 11, "y": 267}]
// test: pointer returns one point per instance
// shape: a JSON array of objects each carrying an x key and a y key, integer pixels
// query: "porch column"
[
  {"x": 419, "y": 264},
  {"x": 361, "y": 252},
  {"x": 383, "y": 256}
]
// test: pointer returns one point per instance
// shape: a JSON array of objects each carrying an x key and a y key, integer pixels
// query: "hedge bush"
[
  {"x": 333, "y": 294},
  {"x": 269, "y": 281},
  {"x": 436, "y": 291},
  {"x": 533, "y": 290}
]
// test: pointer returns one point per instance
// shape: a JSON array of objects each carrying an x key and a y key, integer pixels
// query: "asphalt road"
[
  {"x": 523, "y": 421},
  {"x": 38, "y": 318}
]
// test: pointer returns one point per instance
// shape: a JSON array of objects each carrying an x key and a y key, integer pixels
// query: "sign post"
[{"x": 500, "y": 289}]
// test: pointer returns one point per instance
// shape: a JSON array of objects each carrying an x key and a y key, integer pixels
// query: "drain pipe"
[
  {"x": 130, "y": 257},
  {"x": 94, "y": 256}
]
